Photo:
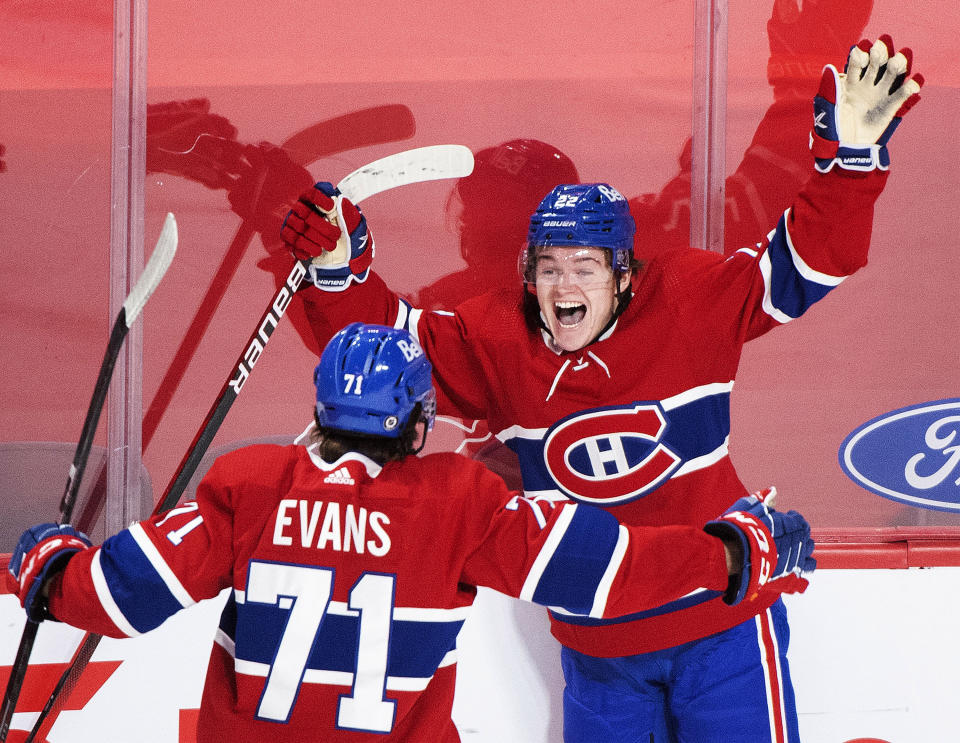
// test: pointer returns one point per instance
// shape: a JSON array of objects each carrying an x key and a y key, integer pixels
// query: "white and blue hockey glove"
[
  {"x": 328, "y": 230},
  {"x": 856, "y": 112},
  {"x": 776, "y": 547},
  {"x": 41, "y": 552}
]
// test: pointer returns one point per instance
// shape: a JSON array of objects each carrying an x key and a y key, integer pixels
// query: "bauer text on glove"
[
  {"x": 328, "y": 230},
  {"x": 857, "y": 111}
]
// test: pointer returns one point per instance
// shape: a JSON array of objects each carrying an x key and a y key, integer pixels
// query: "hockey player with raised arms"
[
  {"x": 352, "y": 563},
  {"x": 611, "y": 382}
]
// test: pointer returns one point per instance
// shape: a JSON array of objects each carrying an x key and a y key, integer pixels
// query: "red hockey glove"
[
  {"x": 41, "y": 553},
  {"x": 776, "y": 547},
  {"x": 313, "y": 232},
  {"x": 855, "y": 113}
]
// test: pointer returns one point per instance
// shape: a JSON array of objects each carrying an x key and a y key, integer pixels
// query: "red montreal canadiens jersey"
[
  {"x": 637, "y": 422},
  {"x": 348, "y": 583}
]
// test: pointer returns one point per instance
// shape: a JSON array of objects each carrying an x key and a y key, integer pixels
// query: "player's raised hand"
[
  {"x": 41, "y": 552},
  {"x": 776, "y": 547},
  {"x": 857, "y": 111},
  {"x": 330, "y": 231}
]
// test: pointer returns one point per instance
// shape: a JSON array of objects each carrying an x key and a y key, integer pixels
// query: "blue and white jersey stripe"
[
  {"x": 694, "y": 598},
  {"x": 578, "y": 562},
  {"x": 136, "y": 587},
  {"x": 790, "y": 285},
  {"x": 420, "y": 641}
]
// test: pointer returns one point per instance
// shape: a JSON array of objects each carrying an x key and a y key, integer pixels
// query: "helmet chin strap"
[
  {"x": 423, "y": 441},
  {"x": 533, "y": 297},
  {"x": 623, "y": 299},
  {"x": 416, "y": 419}
]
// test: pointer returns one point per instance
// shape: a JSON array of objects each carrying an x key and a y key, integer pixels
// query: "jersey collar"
[{"x": 373, "y": 469}]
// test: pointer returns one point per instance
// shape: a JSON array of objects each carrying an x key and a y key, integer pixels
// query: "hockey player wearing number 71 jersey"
[{"x": 352, "y": 564}]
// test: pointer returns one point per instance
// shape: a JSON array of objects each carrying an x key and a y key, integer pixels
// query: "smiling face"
[{"x": 576, "y": 293}]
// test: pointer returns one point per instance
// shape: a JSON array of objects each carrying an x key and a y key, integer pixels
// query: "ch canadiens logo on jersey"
[{"x": 610, "y": 455}]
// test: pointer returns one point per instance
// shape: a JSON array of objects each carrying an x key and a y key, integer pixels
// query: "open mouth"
[{"x": 569, "y": 314}]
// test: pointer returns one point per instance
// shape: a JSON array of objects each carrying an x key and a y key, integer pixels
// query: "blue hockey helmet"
[
  {"x": 584, "y": 214},
  {"x": 370, "y": 380}
]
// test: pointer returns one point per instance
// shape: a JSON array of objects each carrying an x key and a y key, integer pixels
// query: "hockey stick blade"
[
  {"x": 413, "y": 166},
  {"x": 154, "y": 271},
  {"x": 432, "y": 163}
]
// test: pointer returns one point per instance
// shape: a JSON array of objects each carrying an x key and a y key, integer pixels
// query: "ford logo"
[{"x": 911, "y": 455}]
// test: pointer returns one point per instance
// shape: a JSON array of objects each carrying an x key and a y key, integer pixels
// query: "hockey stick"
[
  {"x": 368, "y": 126},
  {"x": 152, "y": 274},
  {"x": 413, "y": 166},
  {"x": 377, "y": 125}
]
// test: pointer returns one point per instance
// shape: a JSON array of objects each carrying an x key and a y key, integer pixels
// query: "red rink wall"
[
  {"x": 610, "y": 87},
  {"x": 608, "y": 84}
]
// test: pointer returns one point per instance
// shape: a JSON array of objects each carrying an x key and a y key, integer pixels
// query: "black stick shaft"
[
  {"x": 153, "y": 272},
  {"x": 188, "y": 466},
  {"x": 231, "y": 388},
  {"x": 17, "y": 674},
  {"x": 117, "y": 336},
  {"x": 19, "y": 670},
  {"x": 68, "y": 680}
]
